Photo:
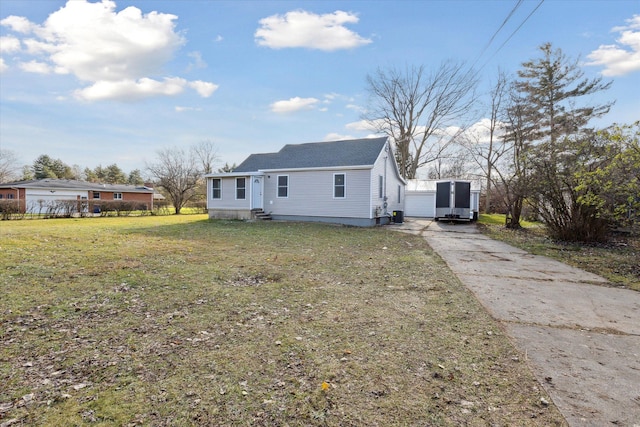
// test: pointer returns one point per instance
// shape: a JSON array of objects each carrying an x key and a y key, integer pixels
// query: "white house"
[
  {"x": 422, "y": 201},
  {"x": 353, "y": 182}
]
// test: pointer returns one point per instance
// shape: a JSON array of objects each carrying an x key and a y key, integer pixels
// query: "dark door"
[
  {"x": 443, "y": 191},
  {"x": 463, "y": 195}
]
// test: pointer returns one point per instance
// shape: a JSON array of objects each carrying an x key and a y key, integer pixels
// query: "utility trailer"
[{"x": 453, "y": 201}]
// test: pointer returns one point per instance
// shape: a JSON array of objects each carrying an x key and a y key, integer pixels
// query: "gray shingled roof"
[
  {"x": 354, "y": 152},
  {"x": 69, "y": 184}
]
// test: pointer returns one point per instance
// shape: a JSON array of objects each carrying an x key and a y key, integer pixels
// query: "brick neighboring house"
[{"x": 43, "y": 195}]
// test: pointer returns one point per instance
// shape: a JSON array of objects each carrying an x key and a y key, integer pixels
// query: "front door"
[{"x": 256, "y": 192}]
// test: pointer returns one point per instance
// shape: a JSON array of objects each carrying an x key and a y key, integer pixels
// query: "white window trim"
[
  {"x": 219, "y": 188},
  {"x": 117, "y": 196},
  {"x": 94, "y": 195},
  {"x": 344, "y": 185},
  {"x": 278, "y": 187},
  {"x": 245, "y": 187}
]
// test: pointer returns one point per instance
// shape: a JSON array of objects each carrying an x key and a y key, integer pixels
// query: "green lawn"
[
  {"x": 178, "y": 320},
  {"x": 616, "y": 261}
]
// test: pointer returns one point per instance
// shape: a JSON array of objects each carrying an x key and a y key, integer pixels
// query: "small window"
[
  {"x": 96, "y": 195},
  {"x": 1, "y": 196},
  {"x": 339, "y": 186},
  {"x": 283, "y": 186},
  {"x": 399, "y": 194},
  {"x": 216, "y": 188},
  {"x": 117, "y": 196},
  {"x": 380, "y": 186},
  {"x": 241, "y": 188},
  {"x": 9, "y": 196}
]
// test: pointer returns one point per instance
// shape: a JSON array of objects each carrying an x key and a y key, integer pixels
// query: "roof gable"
[{"x": 354, "y": 152}]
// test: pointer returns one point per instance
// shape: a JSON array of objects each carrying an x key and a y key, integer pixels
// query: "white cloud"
[
  {"x": 293, "y": 104},
  {"x": 18, "y": 24},
  {"x": 356, "y": 108},
  {"x": 198, "y": 62},
  {"x": 337, "y": 137},
  {"x": 9, "y": 44},
  {"x": 304, "y": 29},
  {"x": 112, "y": 51},
  {"x": 36, "y": 67},
  {"x": 204, "y": 89},
  {"x": 623, "y": 57},
  {"x": 181, "y": 109},
  {"x": 3, "y": 67},
  {"x": 480, "y": 133},
  {"x": 363, "y": 126},
  {"x": 131, "y": 90}
]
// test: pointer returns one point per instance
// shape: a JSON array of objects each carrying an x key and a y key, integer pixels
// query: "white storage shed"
[{"x": 420, "y": 197}]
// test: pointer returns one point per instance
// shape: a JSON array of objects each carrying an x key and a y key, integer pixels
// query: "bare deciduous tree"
[
  {"x": 8, "y": 165},
  {"x": 178, "y": 172},
  {"x": 421, "y": 111},
  {"x": 484, "y": 141},
  {"x": 207, "y": 154}
]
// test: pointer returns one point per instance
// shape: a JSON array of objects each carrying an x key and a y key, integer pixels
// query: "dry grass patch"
[{"x": 184, "y": 321}]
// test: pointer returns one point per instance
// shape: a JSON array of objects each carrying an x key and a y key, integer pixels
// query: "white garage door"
[
  {"x": 39, "y": 201},
  {"x": 420, "y": 204}
]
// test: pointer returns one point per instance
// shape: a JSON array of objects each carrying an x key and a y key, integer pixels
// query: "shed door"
[{"x": 420, "y": 204}]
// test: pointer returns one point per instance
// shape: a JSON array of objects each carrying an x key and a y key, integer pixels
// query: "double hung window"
[
  {"x": 283, "y": 186},
  {"x": 339, "y": 186},
  {"x": 241, "y": 188},
  {"x": 216, "y": 188}
]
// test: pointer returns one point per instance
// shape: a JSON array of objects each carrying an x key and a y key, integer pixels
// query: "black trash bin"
[{"x": 398, "y": 217}]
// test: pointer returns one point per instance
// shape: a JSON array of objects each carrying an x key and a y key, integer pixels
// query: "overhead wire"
[
  {"x": 486, "y": 46},
  {"x": 512, "y": 34}
]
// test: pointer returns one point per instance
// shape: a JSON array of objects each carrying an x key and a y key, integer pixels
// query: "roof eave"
[{"x": 323, "y": 168}]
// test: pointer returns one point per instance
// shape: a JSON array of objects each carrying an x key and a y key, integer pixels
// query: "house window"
[
  {"x": 399, "y": 194},
  {"x": 1, "y": 196},
  {"x": 283, "y": 185},
  {"x": 9, "y": 196},
  {"x": 241, "y": 187},
  {"x": 216, "y": 188},
  {"x": 117, "y": 196},
  {"x": 380, "y": 186},
  {"x": 96, "y": 195},
  {"x": 339, "y": 185}
]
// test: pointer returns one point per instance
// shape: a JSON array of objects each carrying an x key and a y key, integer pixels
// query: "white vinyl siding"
[
  {"x": 227, "y": 198},
  {"x": 311, "y": 193},
  {"x": 385, "y": 181}
]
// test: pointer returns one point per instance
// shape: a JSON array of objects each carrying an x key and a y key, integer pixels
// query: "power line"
[
  {"x": 486, "y": 46},
  {"x": 512, "y": 34}
]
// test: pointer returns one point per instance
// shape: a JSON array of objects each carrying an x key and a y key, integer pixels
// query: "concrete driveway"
[{"x": 580, "y": 338}]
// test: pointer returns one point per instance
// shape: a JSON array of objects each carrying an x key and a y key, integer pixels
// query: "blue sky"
[{"x": 96, "y": 83}]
